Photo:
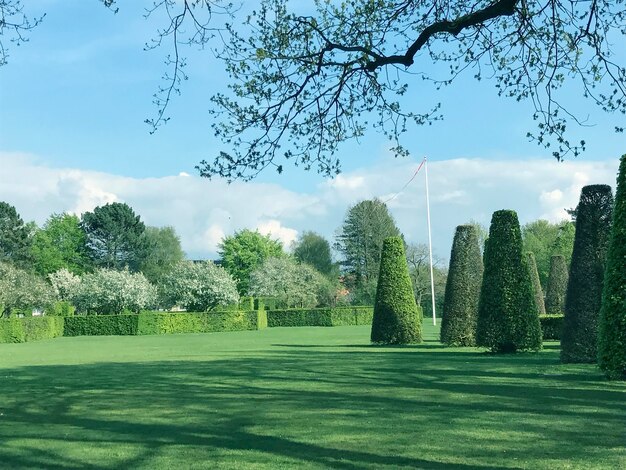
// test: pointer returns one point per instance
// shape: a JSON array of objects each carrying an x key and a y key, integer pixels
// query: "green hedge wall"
[
  {"x": 101, "y": 325},
  {"x": 337, "y": 316},
  {"x": 158, "y": 323},
  {"x": 21, "y": 330},
  {"x": 551, "y": 326},
  {"x": 155, "y": 323}
]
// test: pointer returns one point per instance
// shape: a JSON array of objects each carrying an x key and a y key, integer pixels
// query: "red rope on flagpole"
[{"x": 407, "y": 183}]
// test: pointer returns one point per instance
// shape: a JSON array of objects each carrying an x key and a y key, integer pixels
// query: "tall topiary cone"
[
  {"x": 612, "y": 325},
  {"x": 557, "y": 286},
  {"x": 397, "y": 320},
  {"x": 534, "y": 277},
  {"x": 460, "y": 305},
  {"x": 584, "y": 288},
  {"x": 507, "y": 314}
]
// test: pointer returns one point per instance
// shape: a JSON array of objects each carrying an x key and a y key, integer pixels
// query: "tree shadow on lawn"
[{"x": 260, "y": 407}]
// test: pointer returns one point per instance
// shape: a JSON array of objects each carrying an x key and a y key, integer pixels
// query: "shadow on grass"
[{"x": 306, "y": 407}]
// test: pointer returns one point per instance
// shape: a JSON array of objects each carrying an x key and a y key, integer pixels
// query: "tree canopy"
[
  {"x": 243, "y": 252},
  {"x": 61, "y": 243},
  {"x": 307, "y": 77},
  {"x": 360, "y": 241},
  {"x": 15, "y": 237},
  {"x": 114, "y": 236},
  {"x": 312, "y": 248}
]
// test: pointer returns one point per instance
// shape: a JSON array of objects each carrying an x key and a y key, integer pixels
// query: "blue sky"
[{"x": 73, "y": 101}]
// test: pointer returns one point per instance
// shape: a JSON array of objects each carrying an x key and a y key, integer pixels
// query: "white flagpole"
[{"x": 430, "y": 244}]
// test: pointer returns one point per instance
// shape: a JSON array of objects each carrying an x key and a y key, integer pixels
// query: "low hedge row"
[
  {"x": 21, "y": 330},
  {"x": 551, "y": 326},
  {"x": 337, "y": 316},
  {"x": 158, "y": 323}
]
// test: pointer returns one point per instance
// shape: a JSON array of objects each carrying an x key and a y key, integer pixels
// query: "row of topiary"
[{"x": 498, "y": 306}]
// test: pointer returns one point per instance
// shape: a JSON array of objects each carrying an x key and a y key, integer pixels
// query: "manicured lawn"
[{"x": 301, "y": 398}]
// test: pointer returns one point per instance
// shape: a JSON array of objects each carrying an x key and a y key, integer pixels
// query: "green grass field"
[{"x": 301, "y": 398}]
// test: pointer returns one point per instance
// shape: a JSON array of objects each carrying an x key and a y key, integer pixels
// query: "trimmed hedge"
[
  {"x": 460, "y": 307},
  {"x": 531, "y": 263},
  {"x": 586, "y": 276},
  {"x": 551, "y": 326},
  {"x": 158, "y": 323},
  {"x": 337, "y": 316},
  {"x": 153, "y": 323},
  {"x": 21, "y": 330},
  {"x": 557, "y": 285},
  {"x": 396, "y": 320},
  {"x": 507, "y": 315},
  {"x": 612, "y": 324},
  {"x": 101, "y": 325}
]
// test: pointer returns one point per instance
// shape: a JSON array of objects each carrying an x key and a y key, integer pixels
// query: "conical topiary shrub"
[
  {"x": 507, "y": 315},
  {"x": 534, "y": 277},
  {"x": 584, "y": 288},
  {"x": 460, "y": 305},
  {"x": 612, "y": 324},
  {"x": 397, "y": 319},
  {"x": 557, "y": 286}
]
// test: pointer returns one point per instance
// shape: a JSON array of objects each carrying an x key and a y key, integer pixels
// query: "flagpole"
[{"x": 430, "y": 244}]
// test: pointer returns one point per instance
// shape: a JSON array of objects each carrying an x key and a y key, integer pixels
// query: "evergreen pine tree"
[
  {"x": 507, "y": 315},
  {"x": 397, "y": 319},
  {"x": 534, "y": 277},
  {"x": 612, "y": 325},
  {"x": 557, "y": 286},
  {"x": 584, "y": 288},
  {"x": 458, "y": 323}
]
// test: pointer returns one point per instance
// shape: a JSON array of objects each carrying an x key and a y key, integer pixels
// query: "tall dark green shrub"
[
  {"x": 534, "y": 277},
  {"x": 460, "y": 311},
  {"x": 584, "y": 289},
  {"x": 612, "y": 325},
  {"x": 397, "y": 320},
  {"x": 507, "y": 314},
  {"x": 557, "y": 286}
]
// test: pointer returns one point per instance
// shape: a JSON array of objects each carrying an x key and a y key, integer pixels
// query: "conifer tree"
[
  {"x": 584, "y": 288},
  {"x": 397, "y": 318},
  {"x": 507, "y": 314},
  {"x": 612, "y": 325},
  {"x": 534, "y": 277},
  {"x": 557, "y": 286},
  {"x": 458, "y": 324}
]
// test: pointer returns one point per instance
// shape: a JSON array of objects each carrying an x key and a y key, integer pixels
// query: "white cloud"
[
  {"x": 275, "y": 230},
  {"x": 203, "y": 211}
]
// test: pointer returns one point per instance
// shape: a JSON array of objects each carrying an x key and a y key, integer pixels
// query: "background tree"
[
  {"x": 557, "y": 286},
  {"x": 544, "y": 240},
  {"x": 111, "y": 292},
  {"x": 22, "y": 291},
  {"x": 15, "y": 237},
  {"x": 460, "y": 312},
  {"x": 397, "y": 319},
  {"x": 114, "y": 236},
  {"x": 61, "y": 243},
  {"x": 314, "y": 250},
  {"x": 243, "y": 252},
  {"x": 418, "y": 259},
  {"x": 612, "y": 324},
  {"x": 534, "y": 277},
  {"x": 584, "y": 288},
  {"x": 64, "y": 284},
  {"x": 507, "y": 315},
  {"x": 360, "y": 240},
  {"x": 198, "y": 287},
  {"x": 161, "y": 251},
  {"x": 291, "y": 283}
]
